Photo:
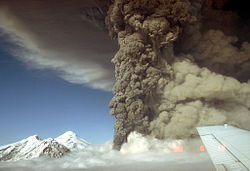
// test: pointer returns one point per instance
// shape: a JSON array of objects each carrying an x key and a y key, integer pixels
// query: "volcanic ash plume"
[{"x": 166, "y": 94}]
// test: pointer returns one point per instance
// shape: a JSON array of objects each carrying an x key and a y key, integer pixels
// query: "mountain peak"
[
  {"x": 33, "y": 138},
  {"x": 69, "y": 133},
  {"x": 72, "y": 141}
]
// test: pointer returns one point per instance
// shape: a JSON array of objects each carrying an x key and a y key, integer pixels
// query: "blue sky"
[
  {"x": 72, "y": 55},
  {"x": 39, "y": 102}
]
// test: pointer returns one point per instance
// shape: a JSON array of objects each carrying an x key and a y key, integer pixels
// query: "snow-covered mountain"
[
  {"x": 72, "y": 141},
  {"x": 33, "y": 147}
]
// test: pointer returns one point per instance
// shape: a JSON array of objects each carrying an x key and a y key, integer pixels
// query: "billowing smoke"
[
  {"x": 180, "y": 63},
  {"x": 176, "y": 69}
]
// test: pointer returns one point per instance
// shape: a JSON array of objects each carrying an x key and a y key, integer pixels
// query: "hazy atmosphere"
[{"x": 132, "y": 78}]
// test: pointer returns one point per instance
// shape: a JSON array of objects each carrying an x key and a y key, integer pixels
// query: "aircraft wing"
[{"x": 227, "y": 146}]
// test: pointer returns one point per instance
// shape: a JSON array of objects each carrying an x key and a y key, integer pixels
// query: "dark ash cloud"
[
  {"x": 176, "y": 69},
  {"x": 180, "y": 63}
]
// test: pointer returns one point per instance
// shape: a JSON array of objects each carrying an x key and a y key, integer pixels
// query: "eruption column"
[
  {"x": 169, "y": 69},
  {"x": 145, "y": 31}
]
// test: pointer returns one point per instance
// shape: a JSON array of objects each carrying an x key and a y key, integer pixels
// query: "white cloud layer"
[{"x": 140, "y": 153}]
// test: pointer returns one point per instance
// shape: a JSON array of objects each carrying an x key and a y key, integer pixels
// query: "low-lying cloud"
[{"x": 139, "y": 153}]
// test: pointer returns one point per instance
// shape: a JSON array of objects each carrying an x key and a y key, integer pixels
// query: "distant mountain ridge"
[{"x": 33, "y": 147}]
